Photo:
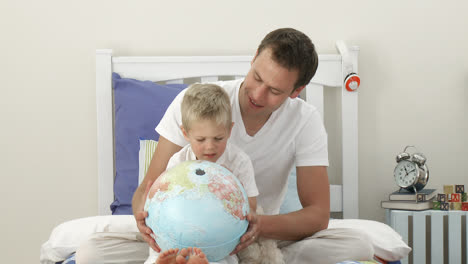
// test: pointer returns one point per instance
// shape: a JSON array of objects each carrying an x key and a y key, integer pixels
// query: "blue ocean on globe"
[{"x": 198, "y": 204}]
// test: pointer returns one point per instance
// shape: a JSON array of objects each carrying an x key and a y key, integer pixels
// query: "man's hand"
[
  {"x": 164, "y": 150},
  {"x": 146, "y": 232},
  {"x": 252, "y": 234}
]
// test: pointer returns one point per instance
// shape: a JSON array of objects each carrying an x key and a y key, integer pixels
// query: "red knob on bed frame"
[{"x": 352, "y": 82}]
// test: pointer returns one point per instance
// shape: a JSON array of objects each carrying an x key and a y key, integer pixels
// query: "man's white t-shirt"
[
  {"x": 233, "y": 158},
  {"x": 294, "y": 134}
]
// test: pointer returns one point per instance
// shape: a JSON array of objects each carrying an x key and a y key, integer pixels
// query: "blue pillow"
[{"x": 138, "y": 106}]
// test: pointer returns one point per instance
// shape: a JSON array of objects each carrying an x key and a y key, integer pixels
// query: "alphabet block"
[
  {"x": 420, "y": 197},
  {"x": 448, "y": 189},
  {"x": 455, "y": 198},
  {"x": 464, "y": 206},
  {"x": 442, "y": 197},
  {"x": 455, "y": 206},
  {"x": 444, "y": 206}
]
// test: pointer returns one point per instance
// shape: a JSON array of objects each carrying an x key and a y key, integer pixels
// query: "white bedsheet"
[{"x": 66, "y": 237}]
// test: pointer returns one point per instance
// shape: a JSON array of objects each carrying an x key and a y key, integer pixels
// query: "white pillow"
[
  {"x": 147, "y": 147},
  {"x": 387, "y": 243},
  {"x": 66, "y": 237}
]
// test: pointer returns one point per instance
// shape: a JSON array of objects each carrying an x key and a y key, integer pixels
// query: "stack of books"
[{"x": 406, "y": 200}]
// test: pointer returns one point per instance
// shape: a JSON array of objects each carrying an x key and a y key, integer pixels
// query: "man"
[{"x": 277, "y": 132}]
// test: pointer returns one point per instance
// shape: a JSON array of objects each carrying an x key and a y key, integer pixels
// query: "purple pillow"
[{"x": 138, "y": 106}]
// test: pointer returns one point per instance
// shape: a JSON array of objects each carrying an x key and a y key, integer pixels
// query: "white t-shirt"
[
  {"x": 233, "y": 158},
  {"x": 294, "y": 134}
]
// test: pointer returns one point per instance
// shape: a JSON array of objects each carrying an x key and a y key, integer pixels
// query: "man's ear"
[
  {"x": 297, "y": 91},
  {"x": 253, "y": 59}
]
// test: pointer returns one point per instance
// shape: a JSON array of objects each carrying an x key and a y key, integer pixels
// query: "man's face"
[{"x": 266, "y": 86}]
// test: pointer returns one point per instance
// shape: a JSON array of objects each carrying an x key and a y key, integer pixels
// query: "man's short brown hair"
[{"x": 293, "y": 50}]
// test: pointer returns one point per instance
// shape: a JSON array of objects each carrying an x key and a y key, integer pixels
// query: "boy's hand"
[
  {"x": 252, "y": 234},
  {"x": 146, "y": 232}
]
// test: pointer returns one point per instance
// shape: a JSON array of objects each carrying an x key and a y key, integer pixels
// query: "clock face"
[{"x": 406, "y": 173}]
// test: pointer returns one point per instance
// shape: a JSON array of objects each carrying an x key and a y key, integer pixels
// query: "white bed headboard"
[{"x": 332, "y": 70}]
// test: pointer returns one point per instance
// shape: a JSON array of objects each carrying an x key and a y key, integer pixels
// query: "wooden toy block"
[
  {"x": 420, "y": 197},
  {"x": 444, "y": 206},
  {"x": 455, "y": 198},
  {"x": 448, "y": 189},
  {"x": 459, "y": 188},
  {"x": 435, "y": 205},
  {"x": 455, "y": 206},
  {"x": 464, "y": 207},
  {"x": 464, "y": 197},
  {"x": 442, "y": 197}
]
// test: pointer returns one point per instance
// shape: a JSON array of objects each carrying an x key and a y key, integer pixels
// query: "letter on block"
[
  {"x": 455, "y": 206},
  {"x": 420, "y": 197},
  {"x": 444, "y": 206},
  {"x": 455, "y": 198},
  {"x": 442, "y": 197},
  {"x": 464, "y": 206}
]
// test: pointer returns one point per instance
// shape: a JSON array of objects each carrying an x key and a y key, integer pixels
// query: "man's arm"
[
  {"x": 164, "y": 151},
  {"x": 314, "y": 193}
]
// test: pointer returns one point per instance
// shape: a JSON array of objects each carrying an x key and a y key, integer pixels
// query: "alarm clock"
[{"x": 411, "y": 172}]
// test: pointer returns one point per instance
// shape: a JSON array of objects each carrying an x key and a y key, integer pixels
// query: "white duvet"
[{"x": 66, "y": 237}]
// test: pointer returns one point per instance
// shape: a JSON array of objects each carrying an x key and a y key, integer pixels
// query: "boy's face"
[
  {"x": 266, "y": 86},
  {"x": 208, "y": 139}
]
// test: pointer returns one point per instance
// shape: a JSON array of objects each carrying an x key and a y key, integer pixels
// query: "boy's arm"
[{"x": 164, "y": 151}]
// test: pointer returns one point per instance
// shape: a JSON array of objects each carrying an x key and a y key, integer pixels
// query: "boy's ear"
[
  {"x": 184, "y": 132},
  {"x": 230, "y": 130}
]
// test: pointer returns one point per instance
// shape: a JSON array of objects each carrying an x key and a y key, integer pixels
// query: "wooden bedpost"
[
  {"x": 349, "y": 117},
  {"x": 105, "y": 143}
]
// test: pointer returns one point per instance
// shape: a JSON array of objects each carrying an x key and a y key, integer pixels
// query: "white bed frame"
[{"x": 332, "y": 70}]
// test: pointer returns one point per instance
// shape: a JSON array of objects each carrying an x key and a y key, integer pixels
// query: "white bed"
[{"x": 332, "y": 71}]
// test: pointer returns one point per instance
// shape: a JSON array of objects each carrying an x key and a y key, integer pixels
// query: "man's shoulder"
[
  {"x": 299, "y": 103},
  {"x": 297, "y": 108}
]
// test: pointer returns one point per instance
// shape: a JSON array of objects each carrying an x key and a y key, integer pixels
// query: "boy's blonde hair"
[{"x": 206, "y": 101}]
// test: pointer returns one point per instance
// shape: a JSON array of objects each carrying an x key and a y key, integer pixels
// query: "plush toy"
[{"x": 262, "y": 251}]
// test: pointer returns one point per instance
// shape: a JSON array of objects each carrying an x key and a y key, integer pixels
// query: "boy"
[{"x": 206, "y": 125}]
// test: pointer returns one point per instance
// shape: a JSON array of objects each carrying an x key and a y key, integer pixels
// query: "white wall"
[{"x": 413, "y": 65}]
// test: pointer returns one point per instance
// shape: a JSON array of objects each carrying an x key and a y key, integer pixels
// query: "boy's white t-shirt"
[
  {"x": 233, "y": 158},
  {"x": 294, "y": 134}
]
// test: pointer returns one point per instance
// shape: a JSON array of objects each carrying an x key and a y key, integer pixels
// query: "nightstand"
[{"x": 421, "y": 228}]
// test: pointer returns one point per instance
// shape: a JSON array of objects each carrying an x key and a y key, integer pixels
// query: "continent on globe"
[{"x": 198, "y": 204}]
